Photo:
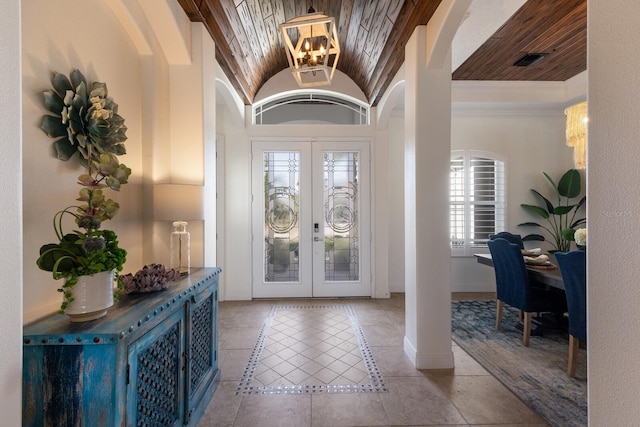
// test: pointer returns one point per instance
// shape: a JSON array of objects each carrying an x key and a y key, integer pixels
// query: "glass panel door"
[
  {"x": 281, "y": 191},
  {"x": 310, "y": 219},
  {"x": 341, "y": 205}
]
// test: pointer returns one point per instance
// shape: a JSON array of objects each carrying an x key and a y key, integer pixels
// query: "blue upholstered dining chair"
[
  {"x": 573, "y": 267},
  {"x": 510, "y": 237},
  {"x": 513, "y": 288}
]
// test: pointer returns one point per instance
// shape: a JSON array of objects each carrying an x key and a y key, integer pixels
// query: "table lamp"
[{"x": 178, "y": 203}]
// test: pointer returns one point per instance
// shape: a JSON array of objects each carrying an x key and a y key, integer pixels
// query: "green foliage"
[
  {"x": 560, "y": 219},
  {"x": 73, "y": 256},
  {"x": 78, "y": 254}
]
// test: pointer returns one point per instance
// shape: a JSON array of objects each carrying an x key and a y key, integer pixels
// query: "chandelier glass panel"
[
  {"x": 311, "y": 43},
  {"x": 576, "y": 133}
]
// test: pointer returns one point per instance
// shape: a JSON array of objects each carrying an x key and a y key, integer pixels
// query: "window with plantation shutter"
[{"x": 477, "y": 194}]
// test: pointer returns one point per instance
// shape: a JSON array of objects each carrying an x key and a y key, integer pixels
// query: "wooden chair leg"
[
  {"x": 574, "y": 343},
  {"x": 526, "y": 331},
  {"x": 520, "y": 316},
  {"x": 498, "y": 313}
]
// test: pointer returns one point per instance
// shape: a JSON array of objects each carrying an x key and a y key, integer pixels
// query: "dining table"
[{"x": 548, "y": 275}]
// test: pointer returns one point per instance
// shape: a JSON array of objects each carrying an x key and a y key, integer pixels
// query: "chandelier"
[
  {"x": 314, "y": 56},
  {"x": 576, "y": 133}
]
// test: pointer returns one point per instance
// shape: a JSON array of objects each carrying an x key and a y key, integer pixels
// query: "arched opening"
[{"x": 310, "y": 107}]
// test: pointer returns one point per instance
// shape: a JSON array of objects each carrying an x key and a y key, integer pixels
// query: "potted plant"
[
  {"x": 86, "y": 123},
  {"x": 560, "y": 218}
]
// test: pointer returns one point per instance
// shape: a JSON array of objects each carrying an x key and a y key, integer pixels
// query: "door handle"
[{"x": 317, "y": 239}]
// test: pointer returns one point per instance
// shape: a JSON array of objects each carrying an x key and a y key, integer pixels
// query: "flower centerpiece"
[
  {"x": 85, "y": 122},
  {"x": 580, "y": 236}
]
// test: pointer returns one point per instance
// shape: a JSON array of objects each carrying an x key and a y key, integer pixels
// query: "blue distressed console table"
[{"x": 151, "y": 361}]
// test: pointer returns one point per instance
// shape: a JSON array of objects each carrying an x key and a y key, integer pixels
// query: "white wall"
[
  {"x": 11, "y": 216},
  {"x": 613, "y": 294},
  {"x": 191, "y": 122},
  {"x": 284, "y": 81},
  {"x": 532, "y": 142},
  {"x": 237, "y": 209},
  {"x": 395, "y": 180}
]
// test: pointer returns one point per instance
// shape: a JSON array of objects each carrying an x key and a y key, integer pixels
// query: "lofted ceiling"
[{"x": 373, "y": 34}]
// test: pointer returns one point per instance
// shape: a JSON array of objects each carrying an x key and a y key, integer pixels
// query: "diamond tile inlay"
[{"x": 311, "y": 349}]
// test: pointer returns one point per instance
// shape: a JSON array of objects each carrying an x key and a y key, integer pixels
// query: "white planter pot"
[{"x": 92, "y": 296}]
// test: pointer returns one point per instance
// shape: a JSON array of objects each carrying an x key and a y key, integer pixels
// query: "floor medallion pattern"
[{"x": 311, "y": 349}]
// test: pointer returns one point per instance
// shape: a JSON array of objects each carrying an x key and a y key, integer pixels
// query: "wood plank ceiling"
[
  {"x": 556, "y": 29},
  {"x": 373, "y": 35}
]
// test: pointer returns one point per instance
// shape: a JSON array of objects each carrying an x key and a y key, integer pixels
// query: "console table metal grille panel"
[
  {"x": 77, "y": 374},
  {"x": 203, "y": 343},
  {"x": 202, "y": 340},
  {"x": 156, "y": 364}
]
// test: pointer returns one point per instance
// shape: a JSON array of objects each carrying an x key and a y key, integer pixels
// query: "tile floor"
[
  {"x": 466, "y": 395},
  {"x": 311, "y": 348}
]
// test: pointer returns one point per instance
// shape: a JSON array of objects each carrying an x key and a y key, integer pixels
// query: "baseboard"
[{"x": 428, "y": 361}]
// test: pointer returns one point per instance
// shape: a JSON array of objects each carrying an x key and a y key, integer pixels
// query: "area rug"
[
  {"x": 311, "y": 349},
  {"x": 536, "y": 374}
]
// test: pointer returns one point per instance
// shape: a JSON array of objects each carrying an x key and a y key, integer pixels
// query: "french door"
[{"x": 311, "y": 219}]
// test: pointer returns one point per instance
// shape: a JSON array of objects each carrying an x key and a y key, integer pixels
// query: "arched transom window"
[{"x": 311, "y": 107}]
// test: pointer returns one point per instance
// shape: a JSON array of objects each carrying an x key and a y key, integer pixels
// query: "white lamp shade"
[{"x": 172, "y": 202}]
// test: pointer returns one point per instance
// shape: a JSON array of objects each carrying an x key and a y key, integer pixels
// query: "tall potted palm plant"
[{"x": 560, "y": 218}]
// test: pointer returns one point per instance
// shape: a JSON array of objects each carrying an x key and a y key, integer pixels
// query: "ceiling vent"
[{"x": 529, "y": 59}]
